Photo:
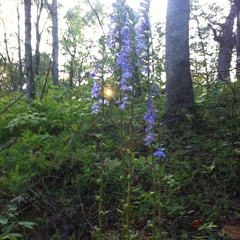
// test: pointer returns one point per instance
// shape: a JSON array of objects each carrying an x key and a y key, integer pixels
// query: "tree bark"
[
  {"x": 39, "y": 4},
  {"x": 237, "y": 2},
  {"x": 54, "y": 13},
  {"x": 20, "y": 65},
  {"x": 226, "y": 44},
  {"x": 179, "y": 90},
  {"x": 28, "y": 50}
]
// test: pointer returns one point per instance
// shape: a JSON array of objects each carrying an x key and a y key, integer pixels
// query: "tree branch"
[{"x": 99, "y": 21}]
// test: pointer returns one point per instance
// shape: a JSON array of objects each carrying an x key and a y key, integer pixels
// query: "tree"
[
  {"x": 179, "y": 90},
  {"x": 54, "y": 13},
  {"x": 237, "y": 3},
  {"x": 226, "y": 42},
  {"x": 28, "y": 50},
  {"x": 20, "y": 65},
  {"x": 39, "y": 4},
  {"x": 77, "y": 47}
]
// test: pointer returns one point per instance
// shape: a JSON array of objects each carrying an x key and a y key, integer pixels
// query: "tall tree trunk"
[
  {"x": 20, "y": 65},
  {"x": 54, "y": 13},
  {"x": 237, "y": 2},
  {"x": 39, "y": 4},
  {"x": 226, "y": 43},
  {"x": 55, "y": 42},
  {"x": 28, "y": 50},
  {"x": 179, "y": 90}
]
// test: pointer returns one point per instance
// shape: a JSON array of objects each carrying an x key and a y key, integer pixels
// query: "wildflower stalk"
[
  {"x": 130, "y": 160},
  {"x": 118, "y": 47},
  {"x": 124, "y": 177},
  {"x": 159, "y": 177},
  {"x": 144, "y": 40},
  {"x": 98, "y": 95},
  {"x": 159, "y": 202},
  {"x": 101, "y": 174},
  {"x": 154, "y": 195}
]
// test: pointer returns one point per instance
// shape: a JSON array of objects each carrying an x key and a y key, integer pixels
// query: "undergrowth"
[{"x": 49, "y": 166}]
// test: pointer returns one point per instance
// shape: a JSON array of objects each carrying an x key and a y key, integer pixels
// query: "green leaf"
[
  {"x": 7, "y": 229},
  {"x": 3, "y": 220},
  {"x": 4, "y": 236},
  {"x": 12, "y": 207},
  {"x": 15, "y": 235},
  {"x": 237, "y": 150},
  {"x": 27, "y": 224},
  {"x": 11, "y": 236}
]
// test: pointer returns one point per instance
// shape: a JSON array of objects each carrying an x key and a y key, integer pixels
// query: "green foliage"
[
  {"x": 52, "y": 161},
  {"x": 10, "y": 225},
  {"x": 29, "y": 119}
]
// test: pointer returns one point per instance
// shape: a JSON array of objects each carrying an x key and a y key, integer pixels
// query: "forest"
[{"x": 115, "y": 124}]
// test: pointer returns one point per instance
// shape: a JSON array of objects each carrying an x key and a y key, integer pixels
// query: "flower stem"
[
  {"x": 159, "y": 177},
  {"x": 123, "y": 165},
  {"x": 129, "y": 177},
  {"x": 154, "y": 182},
  {"x": 100, "y": 206},
  {"x": 159, "y": 202}
]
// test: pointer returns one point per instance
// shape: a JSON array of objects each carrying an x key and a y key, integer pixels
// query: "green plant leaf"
[
  {"x": 27, "y": 224},
  {"x": 11, "y": 236},
  {"x": 3, "y": 220},
  {"x": 12, "y": 207},
  {"x": 7, "y": 229}
]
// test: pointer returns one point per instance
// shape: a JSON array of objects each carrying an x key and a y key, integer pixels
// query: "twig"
[
  {"x": 96, "y": 16},
  {"x": 5, "y": 109}
]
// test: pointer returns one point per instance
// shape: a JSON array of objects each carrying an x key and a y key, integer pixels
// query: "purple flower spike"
[
  {"x": 150, "y": 118},
  {"x": 143, "y": 33}
]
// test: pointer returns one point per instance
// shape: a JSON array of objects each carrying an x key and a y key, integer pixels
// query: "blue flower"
[
  {"x": 92, "y": 75},
  {"x": 123, "y": 105},
  {"x": 159, "y": 153},
  {"x": 150, "y": 117},
  {"x": 145, "y": 70},
  {"x": 155, "y": 90},
  {"x": 125, "y": 61},
  {"x": 96, "y": 108},
  {"x": 143, "y": 33},
  {"x": 149, "y": 104},
  {"x": 124, "y": 85},
  {"x": 95, "y": 90},
  {"x": 149, "y": 128},
  {"x": 106, "y": 102},
  {"x": 124, "y": 102},
  {"x": 149, "y": 138},
  {"x": 127, "y": 74}
]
